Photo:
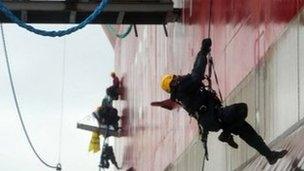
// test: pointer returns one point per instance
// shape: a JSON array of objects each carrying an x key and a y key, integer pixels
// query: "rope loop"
[
  {"x": 59, "y": 33},
  {"x": 120, "y": 35}
]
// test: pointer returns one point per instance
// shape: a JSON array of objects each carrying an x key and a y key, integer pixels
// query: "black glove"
[{"x": 206, "y": 45}]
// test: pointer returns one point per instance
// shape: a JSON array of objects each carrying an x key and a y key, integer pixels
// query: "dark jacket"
[
  {"x": 108, "y": 114},
  {"x": 199, "y": 102}
]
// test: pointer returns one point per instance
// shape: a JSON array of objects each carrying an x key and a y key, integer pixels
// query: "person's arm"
[
  {"x": 200, "y": 63},
  {"x": 167, "y": 104}
]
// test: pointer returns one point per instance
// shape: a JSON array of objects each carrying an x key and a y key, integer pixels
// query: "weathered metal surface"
[{"x": 243, "y": 33}]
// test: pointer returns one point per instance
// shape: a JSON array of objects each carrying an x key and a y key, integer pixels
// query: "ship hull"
[{"x": 257, "y": 54}]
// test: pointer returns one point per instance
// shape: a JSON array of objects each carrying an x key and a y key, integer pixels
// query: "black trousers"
[
  {"x": 104, "y": 162},
  {"x": 108, "y": 154},
  {"x": 233, "y": 121},
  {"x": 113, "y": 160}
]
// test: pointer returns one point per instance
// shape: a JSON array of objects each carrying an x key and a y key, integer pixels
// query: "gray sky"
[{"x": 37, "y": 64}]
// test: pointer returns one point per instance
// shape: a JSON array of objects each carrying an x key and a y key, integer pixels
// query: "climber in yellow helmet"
[
  {"x": 165, "y": 83},
  {"x": 202, "y": 103}
]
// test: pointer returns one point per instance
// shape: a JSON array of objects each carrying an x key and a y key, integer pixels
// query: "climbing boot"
[
  {"x": 275, "y": 156},
  {"x": 228, "y": 138}
]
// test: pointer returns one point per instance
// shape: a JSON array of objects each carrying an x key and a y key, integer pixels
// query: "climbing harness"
[
  {"x": 58, "y": 166},
  {"x": 58, "y": 33},
  {"x": 208, "y": 76},
  {"x": 117, "y": 34}
]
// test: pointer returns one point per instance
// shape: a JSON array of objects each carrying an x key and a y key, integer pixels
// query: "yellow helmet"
[{"x": 166, "y": 81}]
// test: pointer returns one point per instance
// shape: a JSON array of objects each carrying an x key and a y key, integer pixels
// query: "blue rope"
[
  {"x": 120, "y": 35},
  {"x": 58, "y": 33}
]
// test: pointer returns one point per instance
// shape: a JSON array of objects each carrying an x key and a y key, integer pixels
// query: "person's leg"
[
  {"x": 253, "y": 139},
  {"x": 107, "y": 164},
  {"x": 113, "y": 160},
  {"x": 233, "y": 118},
  {"x": 104, "y": 163},
  {"x": 112, "y": 157},
  {"x": 232, "y": 115}
]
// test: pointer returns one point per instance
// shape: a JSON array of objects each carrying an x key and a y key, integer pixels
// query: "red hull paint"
[{"x": 241, "y": 31}]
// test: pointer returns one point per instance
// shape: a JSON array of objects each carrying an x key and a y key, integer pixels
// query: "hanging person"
[
  {"x": 204, "y": 105},
  {"x": 113, "y": 91},
  {"x": 106, "y": 155},
  {"x": 107, "y": 115}
]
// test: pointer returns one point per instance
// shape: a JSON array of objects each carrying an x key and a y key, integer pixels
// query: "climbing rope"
[
  {"x": 17, "y": 105},
  {"x": 62, "y": 99},
  {"x": 217, "y": 82},
  {"x": 58, "y": 33},
  {"x": 210, "y": 15},
  {"x": 202, "y": 133},
  {"x": 119, "y": 35},
  {"x": 210, "y": 58}
]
